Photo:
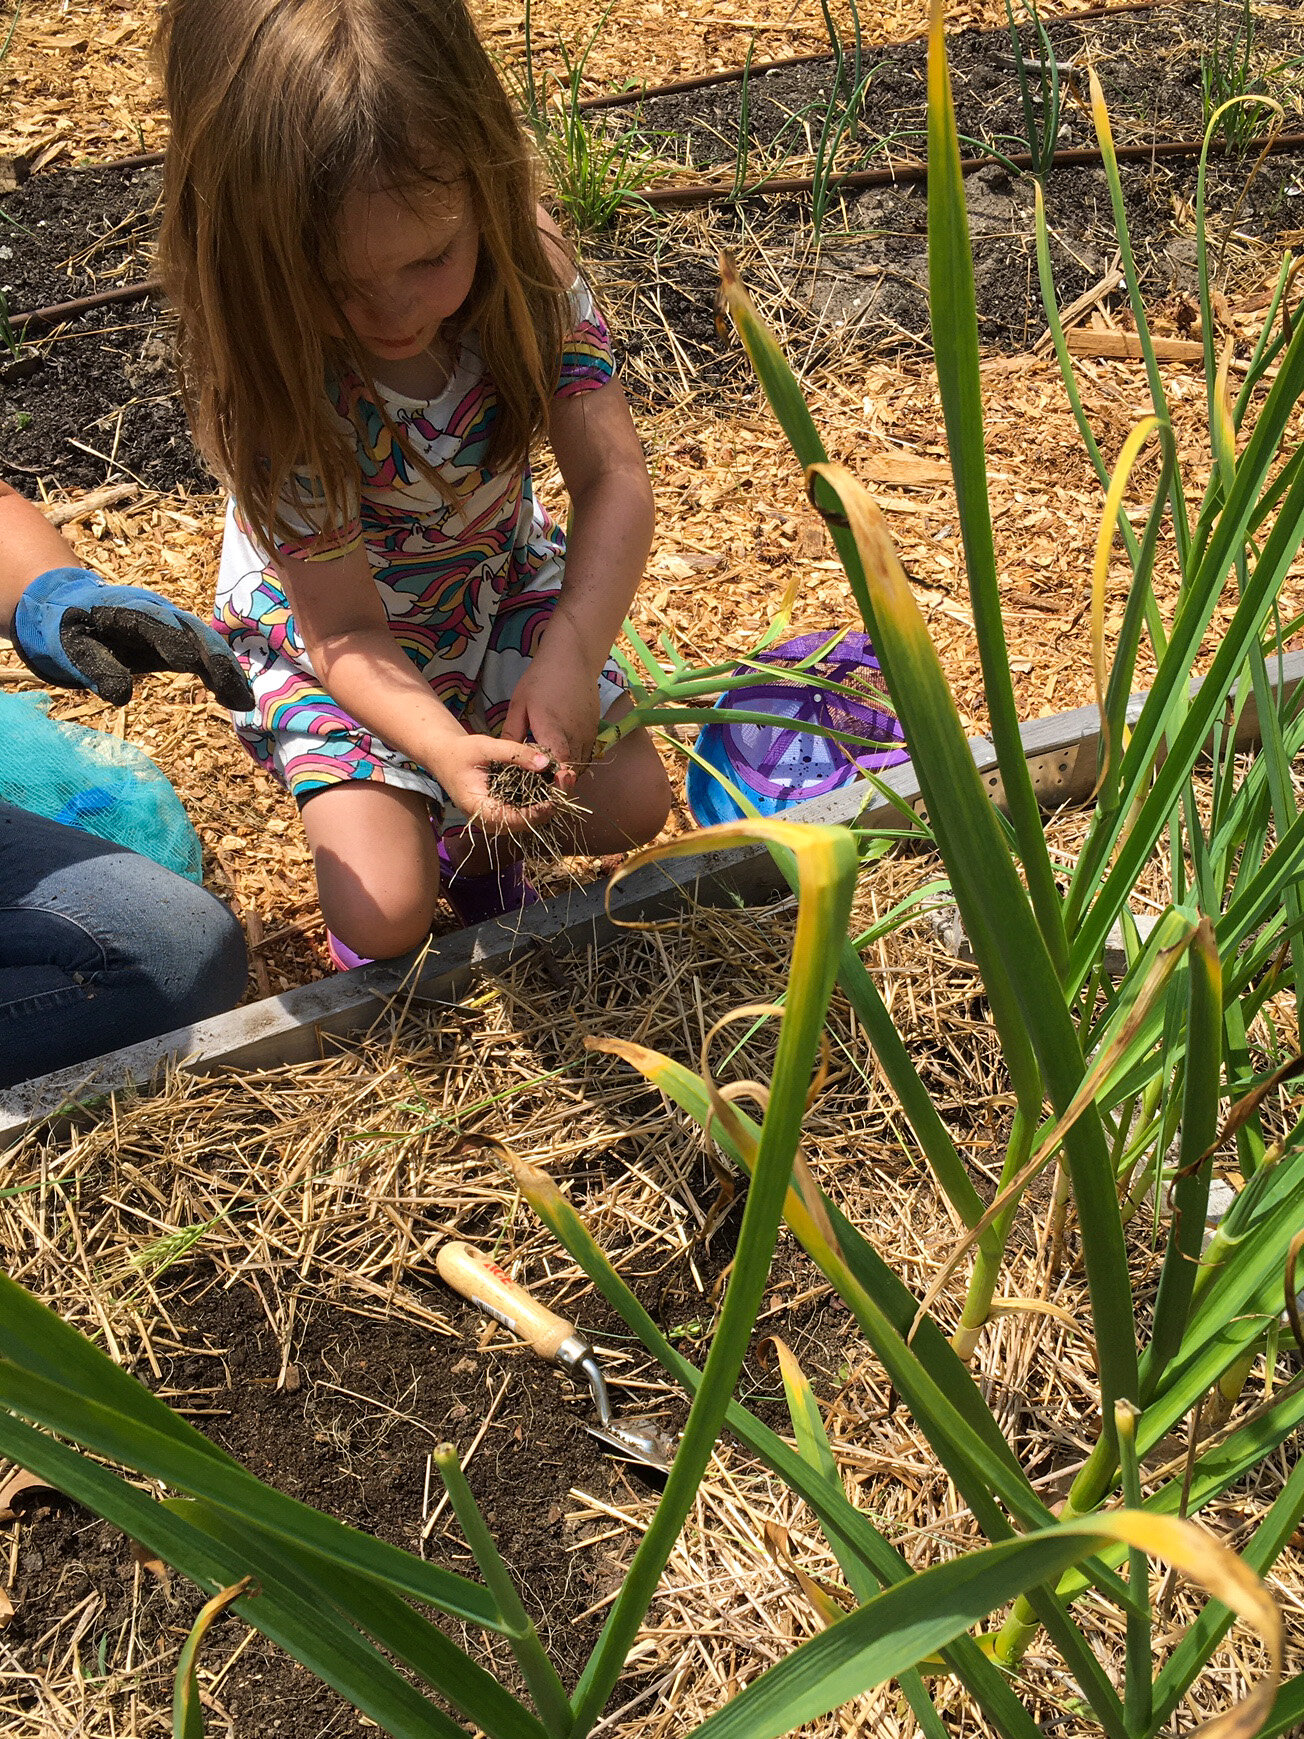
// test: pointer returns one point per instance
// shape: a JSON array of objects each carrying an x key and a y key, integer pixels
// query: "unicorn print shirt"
[{"x": 468, "y": 573}]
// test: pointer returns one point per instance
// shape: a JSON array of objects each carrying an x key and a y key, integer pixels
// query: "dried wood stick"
[
  {"x": 69, "y": 512},
  {"x": 1083, "y": 342}
]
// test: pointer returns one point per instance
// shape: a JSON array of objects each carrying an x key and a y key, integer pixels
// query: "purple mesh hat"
[{"x": 778, "y": 766}]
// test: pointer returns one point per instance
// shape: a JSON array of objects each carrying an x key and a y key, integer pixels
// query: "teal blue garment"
[{"x": 93, "y": 781}]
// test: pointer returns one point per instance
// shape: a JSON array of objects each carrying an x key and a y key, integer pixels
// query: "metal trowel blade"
[{"x": 636, "y": 1440}]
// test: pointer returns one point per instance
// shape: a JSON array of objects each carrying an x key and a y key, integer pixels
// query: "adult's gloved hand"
[{"x": 74, "y": 629}]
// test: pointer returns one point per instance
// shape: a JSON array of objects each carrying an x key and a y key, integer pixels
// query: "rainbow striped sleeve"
[
  {"x": 303, "y": 535},
  {"x": 586, "y": 350}
]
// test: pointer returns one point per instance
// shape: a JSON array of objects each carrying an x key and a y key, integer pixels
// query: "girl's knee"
[
  {"x": 379, "y": 906},
  {"x": 630, "y": 798},
  {"x": 648, "y": 787},
  {"x": 377, "y": 872},
  {"x": 380, "y": 935},
  {"x": 650, "y": 801}
]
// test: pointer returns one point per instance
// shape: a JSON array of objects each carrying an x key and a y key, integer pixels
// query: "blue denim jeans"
[{"x": 100, "y": 947}]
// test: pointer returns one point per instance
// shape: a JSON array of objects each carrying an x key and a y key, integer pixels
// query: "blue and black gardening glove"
[{"x": 74, "y": 629}]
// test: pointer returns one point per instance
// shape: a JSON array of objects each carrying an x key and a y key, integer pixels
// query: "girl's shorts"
[{"x": 304, "y": 739}]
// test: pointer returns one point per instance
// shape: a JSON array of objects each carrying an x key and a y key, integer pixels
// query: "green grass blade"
[
  {"x": 1046, "y": 282},
  {"x": 1203, "y": 1068},
  {"x": 1139, "y": 608},
  {"x": 369, "y": 1607},
  {"x": 1190, "y": 1659},
  {"x": 647, "y": 658},
  {"x": 786, "y": 401},
  {"x": 1285, "y": 810},
  {"x": 35, "y": 1339},
  {"x": 120, "y": 1439},
  {"x": 187, "y": 1710},
  {"x": 992, "y": 902},
  {"x": 955, "y": 346},
  {"x": 1268, "y": 345},
  {"x": 1285, "y": 1719},
  {"x": 331, "y": 1650},
  {"x": 813, "y": 1447},
  {"x": 1024, "y": 991},
  {"x": 1137, "y": 1695},
  {"x": 935, "y": 1140},
  {"x": 828, "y": 1501},
  {"x": 1216, "y": 1471},
  {"x": 537, "y": 1670},
  {"x": 906, "y": 1622},
  {"x": 826, "y": 866},
  {"x": 1144, "y": 752},
  {"x": 107, "y": 1494},
  {"x": 1158, "y": 398}
]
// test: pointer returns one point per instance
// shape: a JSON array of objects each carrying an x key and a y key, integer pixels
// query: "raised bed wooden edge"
[{"x": 297, "y": 1025}]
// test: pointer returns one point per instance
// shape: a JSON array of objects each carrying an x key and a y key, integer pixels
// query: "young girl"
[{"x": 375, "y": 320}]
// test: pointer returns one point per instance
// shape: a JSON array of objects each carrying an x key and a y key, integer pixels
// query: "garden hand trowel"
[{"x": 478, "y": 1278}]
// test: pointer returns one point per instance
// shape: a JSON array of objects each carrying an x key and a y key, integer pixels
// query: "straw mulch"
[{"x": 330, "y": 1184}]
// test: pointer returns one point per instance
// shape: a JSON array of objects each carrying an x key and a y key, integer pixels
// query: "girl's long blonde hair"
[{"x": 279, "y": 109}]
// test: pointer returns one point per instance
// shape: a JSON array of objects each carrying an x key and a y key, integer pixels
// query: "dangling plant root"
[
  {"x": 517, "y": 787},
  {"x": 524, "y": 788}
]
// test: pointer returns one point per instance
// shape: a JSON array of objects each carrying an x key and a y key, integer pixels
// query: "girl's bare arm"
[
  {"x": 342, "y": 622},
  {"x": 612, "y": 516},
  {"x": 601, "y": 460}
]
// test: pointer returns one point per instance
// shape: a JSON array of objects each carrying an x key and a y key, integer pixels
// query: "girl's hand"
[
  {"x": 463, "y": 767},
  {"x": 557, "y": 705}
]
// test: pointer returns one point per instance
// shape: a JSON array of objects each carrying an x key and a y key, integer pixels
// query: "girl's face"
[{"x": 406, "y": 264}]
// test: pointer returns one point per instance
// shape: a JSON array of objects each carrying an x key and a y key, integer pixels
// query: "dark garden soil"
[
  {"x": 94, "y": 400},
  {"x": 103, "y": 382},
  {"x": 866, "y": 288},
  {"x": 343, "y": 1416},
  {"x": 867, "y": 284},
  {"x": 348, "y": 1429},
  {"x": 1149, "y": 64}
]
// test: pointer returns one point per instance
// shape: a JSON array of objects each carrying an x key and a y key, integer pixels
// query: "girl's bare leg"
[
  {"x": 377, "y": 871},
  {"x": 627, "y": 792}
]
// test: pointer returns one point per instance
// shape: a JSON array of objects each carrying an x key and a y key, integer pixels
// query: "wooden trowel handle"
[{"x": 479, "y": 1278}]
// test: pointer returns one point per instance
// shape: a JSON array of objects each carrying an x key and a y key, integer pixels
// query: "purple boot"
[
  {"x": 343, "y": 959},
  {"x": 475, "y": 899}
]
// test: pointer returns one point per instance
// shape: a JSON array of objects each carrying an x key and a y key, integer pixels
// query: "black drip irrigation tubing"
[
  {"x": 60, "y": 311},
  {"x": 702, "y": 193},
  {"x": 912, "y": 170},
  {"x": 142, "y": 160},
  {"x": 758, "y": 69}
]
